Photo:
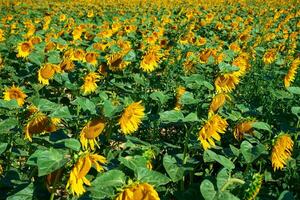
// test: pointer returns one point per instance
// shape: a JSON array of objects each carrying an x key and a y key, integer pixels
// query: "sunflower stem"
[
  {"x": 231, "y": 181},
  {"x": 52, "y": 196}
]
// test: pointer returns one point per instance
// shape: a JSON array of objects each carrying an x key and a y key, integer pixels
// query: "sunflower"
[
  {"x": 90, "y": 132},
  {"x": 226, "y": 83},
  {"x": 24, "y": 49},
  {"x": 150, "y": 61},
  {"x": 211, "y": 130},
  {"x": 80, "y": 170},
  {"x": 15, "y": 93},
  {"x": 90, "y": 84},
  {"x": 270, "y": 56},
  {"x": 254, "y": 187},
  {"x": 282, "y": 151},
  {"x": 2, "y": 38},
  {"x": 91, "y": 58},
  {"x": 35, "y": 40},
  {"x": 47, "y": 72},
  {"x": 205, "y": 54},
  {"x": 132, "y": 117},
  {"x": 217, "y": 102},
  {"x": 78, "y": 55},
  {"x": 290, "y": 76},
  {"x": 67, "y": 65},
  {"x": 38, "y": 123},
  {"x": 242, "y": 64},
  {"x": 179, "y": 93},
  {"x": 138, "y": 191},
  {"x": 116, "y": 63},
  {"x": 242, "y": 128}
]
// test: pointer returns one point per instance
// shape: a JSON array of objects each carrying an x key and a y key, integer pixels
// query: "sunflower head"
[
  {"x": 132, "y": 117},
  {"x": 15, "y": 93},
  {"x": 226, "y": 83},
  {"x": 179, "y": 93},
  {"x": 290, "y": 76},
  {"x": 90, "y": 83},
  {"x": 243, "y": 128},
  {"x": 217, "y": 102},
  {"x": 282, "y": 151},
  {"x": 90, "y": 132},
  {"x": 91, "y": 58},
  {"x": 270, "y": 56},
  {"x": 116, "y": 63},
  {"x": 138, "y": 191},
  {"x": 24, "y": 49},
  {"x": 211, "y": 131},
  {"x": 46, "y": 72},
  {"x": 150, "y": 60}
]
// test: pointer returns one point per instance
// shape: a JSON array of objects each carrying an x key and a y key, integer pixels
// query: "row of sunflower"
[{"x": 149, "y": 99}]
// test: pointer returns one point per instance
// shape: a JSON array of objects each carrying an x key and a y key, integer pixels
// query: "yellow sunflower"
[
  {"x": 150, "y": 61},
  {"x": 24, "y": 49},
  {"x": 15, "y": 93},
  {"x": 242, "y": 128},
  {"x": 116, "y": 63},
  {"x": 78, "y": 55},
  {"x": 90, "y": 132},
  {"x": 180, "y": 92},
  {"x": 46, "y": 72},
  {"x": 282, "y": 151},
  {"x": 211, "y": 131},
  {"x": 217, "y": 102},
  {"x": 91, "y": 58},
  {"x": 270, "y": 56},
  {"x": 138, "y": 191},
  {"x": 132, "y": 117},
  {"x": 290, "y": 76},
  {"x": 226, "y": 83},
  {"x": 80, "y": 170},
  {"x": 90, "y": 84}
]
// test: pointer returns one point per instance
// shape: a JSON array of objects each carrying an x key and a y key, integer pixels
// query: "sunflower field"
[{"x": 150, "y": 99}]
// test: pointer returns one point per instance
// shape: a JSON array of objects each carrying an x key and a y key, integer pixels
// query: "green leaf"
[
  {"x": 85, "y": 104},
  {"x": 8, "y": 124},
  {"x": 222, "y": 178},
  {"x": 105, "y": 184},
  {"x": 188, "y": 98},
  {"x": 210, "y": 155},
  {"x": 45, "y": 105},
  {"x": 172, "y": 168},
  {"x": 12, "y": 104},
  {"x": 70, "y": 143},
  {"x": 207, "y": 190},
  {"x": 171, "y": 116},
  {"x": 109, "y": 110},
  {"x": 133, "y": 162},
  {"x": 296, "y": 111},
  {"x": 24, "y": 194},
  {"x": 286, "y": 195},
  {"x": 160, "y": 97},
  {"x": 54, "y": 57},
  {"x": 62, "y": 112},
  {"x": 3, "y": 147},
  {"x": 262, "y": 126},
  {"x": 37, "y": 57},
  {"x": 130, "y": 56},
  {"x": 226, "y": 196},
  {"x": 152, "y": 177},
  {"x": 250, "y": 152},
  {"x": 227, "y": 68},
  {"x": 294, "y": 90},
  {"x": 47, "y": 160},
  {"x": 192, "y": 117}
]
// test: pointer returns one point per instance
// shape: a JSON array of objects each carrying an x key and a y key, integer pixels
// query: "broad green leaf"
[
  {"x": 8, "y": 124},
  {"x": 294, "y": 90},
  {"x": 47, "y": 160},
  {"x": 227, "y": 68},
  {"x": 37, "y": 57},
  {"x": 192, "y": 117},
  {"x": 54, "y": 57},
  {"x": 251, "y": 152},
  {"x": 262, "y": 126},
  {"x": 171, "y": 116},
  {"x": 222, "y": 178},
  {"x": 109, "y": 110},
  {"x": 130, "y": 56},
  {"x": 62, "y": 112},
  {"x": 286, "y": 195},
  {"x": 159, "y": 96},
  {"x": 3, "y": 147},
  {"x": 188, "y": 98},
  {"x": 70, "y": 143},
  {"x": 85, "y": 104},
  {"x": 173, "y": 169},
  {"x": 12, "y": 104},
  {"x": 226, "y": 196},
  {"x": 152, "y": 177},
  {"x": 133, "y": 162},
  {"x": 207, "y": 190},
  {"x": 296, "y": 111},
  {"x": 210, "y": 155},
  {"x": 24, "y": 194},
  {"x": 45, "y": 105},
  {"x": 105, "y": 184}
]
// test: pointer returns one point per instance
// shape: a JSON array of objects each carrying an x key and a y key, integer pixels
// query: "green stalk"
[
  {"x": 52, "y": 196},
  {"x": 231, "y": 181}
]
